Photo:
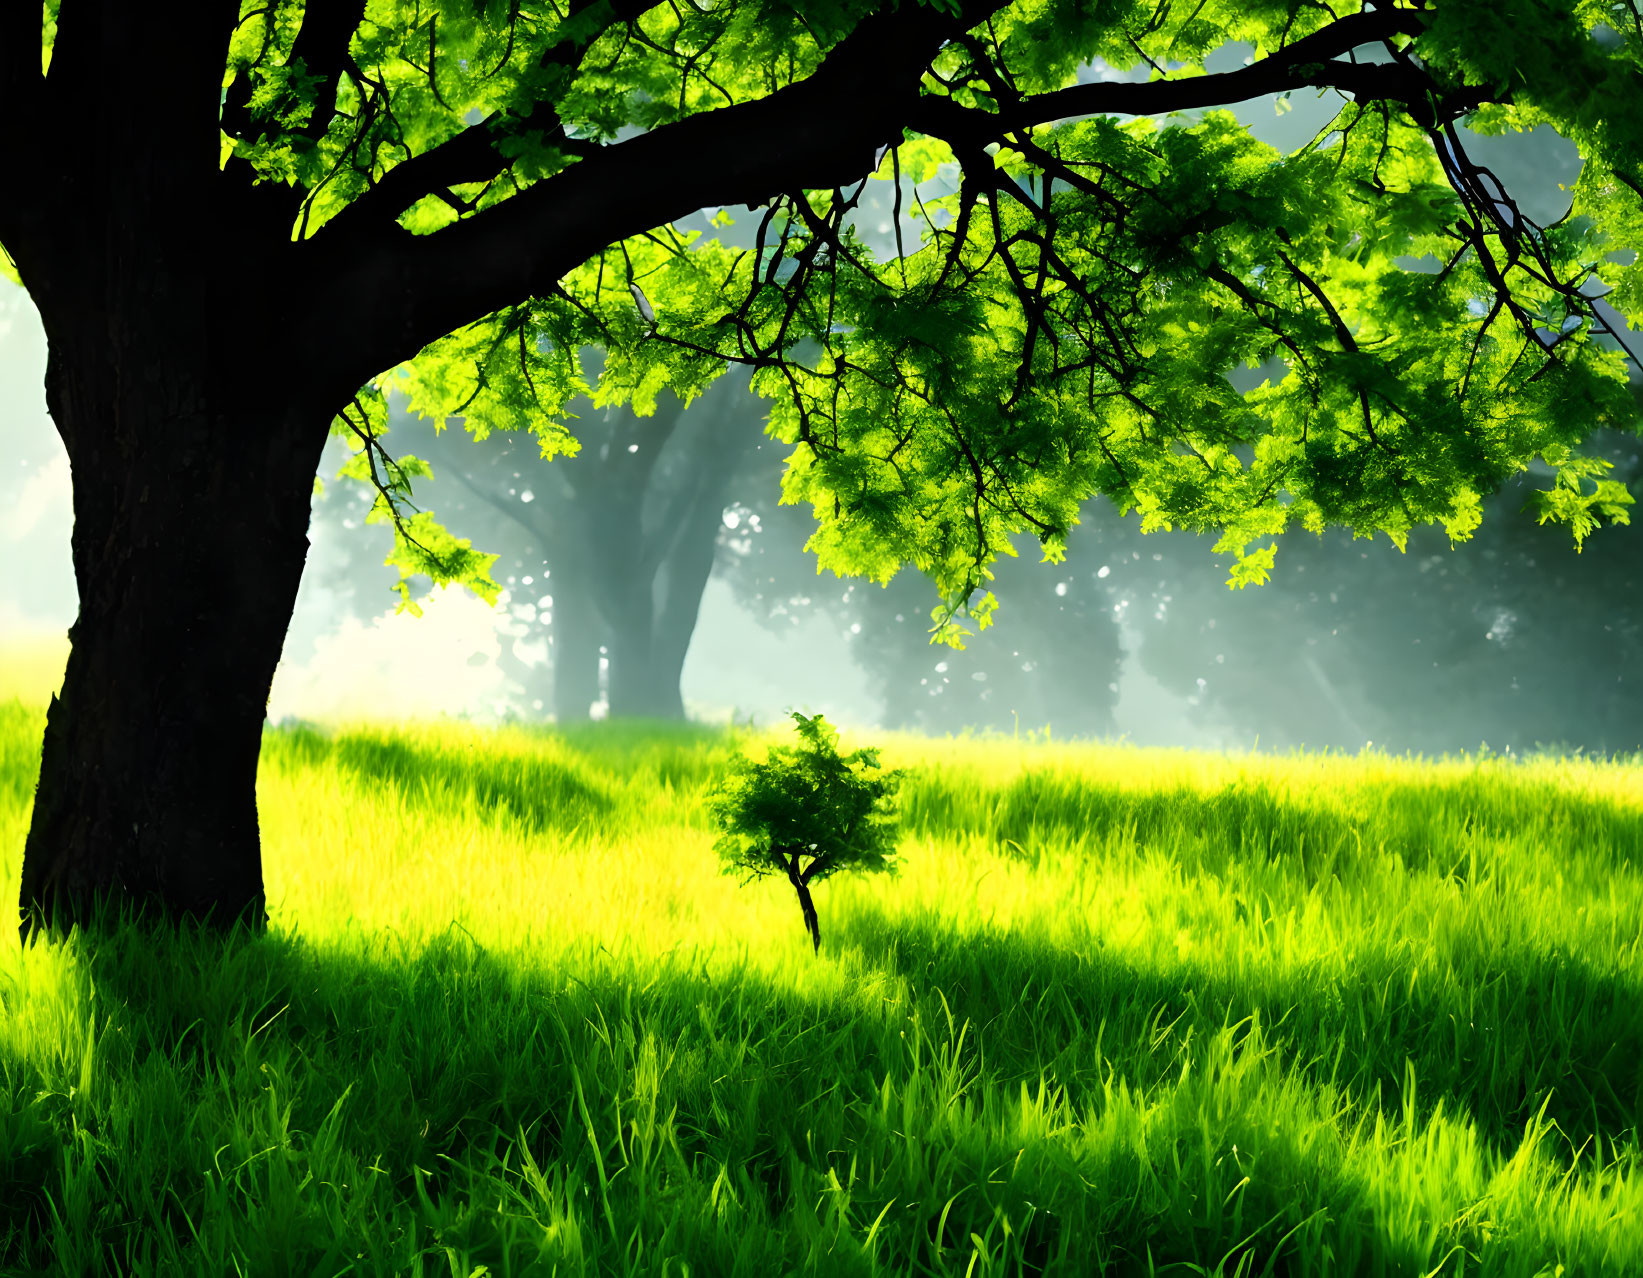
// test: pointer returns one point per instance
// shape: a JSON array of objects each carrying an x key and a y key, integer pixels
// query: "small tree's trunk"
[
  {"x": 811, "y": 923},
  {"x": 189, "y": 539}
]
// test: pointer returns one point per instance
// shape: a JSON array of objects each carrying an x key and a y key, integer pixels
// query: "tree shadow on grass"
[
  {"x": 263, "y": 1095},
  {"x": 437, "y": 1074},
  {"x": 1515, "y": 1030},
  {"x": 542, "y": 793}
]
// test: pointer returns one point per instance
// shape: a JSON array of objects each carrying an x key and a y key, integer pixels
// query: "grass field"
[{"x": 1122, "y": 1011}]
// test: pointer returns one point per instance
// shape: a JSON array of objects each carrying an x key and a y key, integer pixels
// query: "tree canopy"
[
  {"x": 500, "y": 182},
  {"x": 806, "y": 814}
]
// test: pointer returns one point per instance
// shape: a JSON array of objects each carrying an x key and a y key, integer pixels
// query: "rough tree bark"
[
  {"x": 190, "y": 532},
  {"x": 190, "y": 509}
]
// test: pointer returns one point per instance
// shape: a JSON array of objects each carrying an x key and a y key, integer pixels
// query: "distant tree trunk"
[
  {"x": 648, "y": 649},
  {"x": 577, "y": 632},
  {"x": 638, "y": 687},
  {"x": 190, "y": 532},
  {"x": 677, "y": 558},
  {"x": 680, "y": 581},
  {"x": 642, "y": 691}
]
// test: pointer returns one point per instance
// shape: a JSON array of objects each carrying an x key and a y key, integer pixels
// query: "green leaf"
[
  {"x": 422, "y": 546},
  {"x": 1252, "y": 569}
]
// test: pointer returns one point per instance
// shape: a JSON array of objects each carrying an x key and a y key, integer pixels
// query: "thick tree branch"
[
  {"x": 822, "y": 132},
  {"x": 131, "y": 69},
  {"x": 1275, "y": 74},
  {"x": 471, "y": 156},
  {"x": 106, "y": 120},
  {"x": 322, "y": 46},
  {"x": 1305, "y": 64},
  {"x": 20, "y": 78},
  {"x": 21, "y": 143},
  {"x": 74, "y": 54}
]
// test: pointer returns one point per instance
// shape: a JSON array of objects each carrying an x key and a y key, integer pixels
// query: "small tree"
[{"x": 806, "y": 814}]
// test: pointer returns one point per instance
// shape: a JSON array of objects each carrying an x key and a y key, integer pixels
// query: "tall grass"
[{"x": 1122, "y": 1011}]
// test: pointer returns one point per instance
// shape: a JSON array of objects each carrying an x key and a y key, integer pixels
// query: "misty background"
[{"x": 656, "y": 573}]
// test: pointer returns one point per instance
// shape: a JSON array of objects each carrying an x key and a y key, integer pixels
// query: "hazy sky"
[{"x": 444, "y": 661}]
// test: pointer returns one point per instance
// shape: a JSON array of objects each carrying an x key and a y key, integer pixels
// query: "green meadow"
[{"x": 1121, "y": 1011}]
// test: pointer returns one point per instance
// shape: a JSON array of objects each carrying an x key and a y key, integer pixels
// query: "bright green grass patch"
[
  {"x": 32, "y": 669},
  {"x": 1122, "y": 1012}
]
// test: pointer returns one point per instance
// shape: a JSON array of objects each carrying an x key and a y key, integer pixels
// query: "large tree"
[{"x": 483, "y": 190}]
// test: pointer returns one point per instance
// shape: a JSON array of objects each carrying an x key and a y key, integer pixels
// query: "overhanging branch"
[
  {"x": 117, "y": 69},
  {"x": 321, "y": 45},
  {"x": 824, "y": 131},
  {"x": 1305, "y": 64},
  {"x": 821, "y": 132},
  {"x": 471, "y": 156}
]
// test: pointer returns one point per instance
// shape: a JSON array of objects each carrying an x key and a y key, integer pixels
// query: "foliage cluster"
[
  {"x": 1077, "y": 266},
  {"x": 806, "y": 814}
]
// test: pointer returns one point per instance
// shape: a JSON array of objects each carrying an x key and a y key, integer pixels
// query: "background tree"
[
  {"x": 604, "y": 554},
  {"x": 626, "y": 531},
  {"x": 1512, "y": 638},
  {"x": 485, "y": 191}
]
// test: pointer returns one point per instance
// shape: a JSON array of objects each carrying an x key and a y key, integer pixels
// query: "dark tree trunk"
[
  {"x": 191, "y": 493},
  {"x": 812, "y": 924},
  {"x": 190, "y": 532}
]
